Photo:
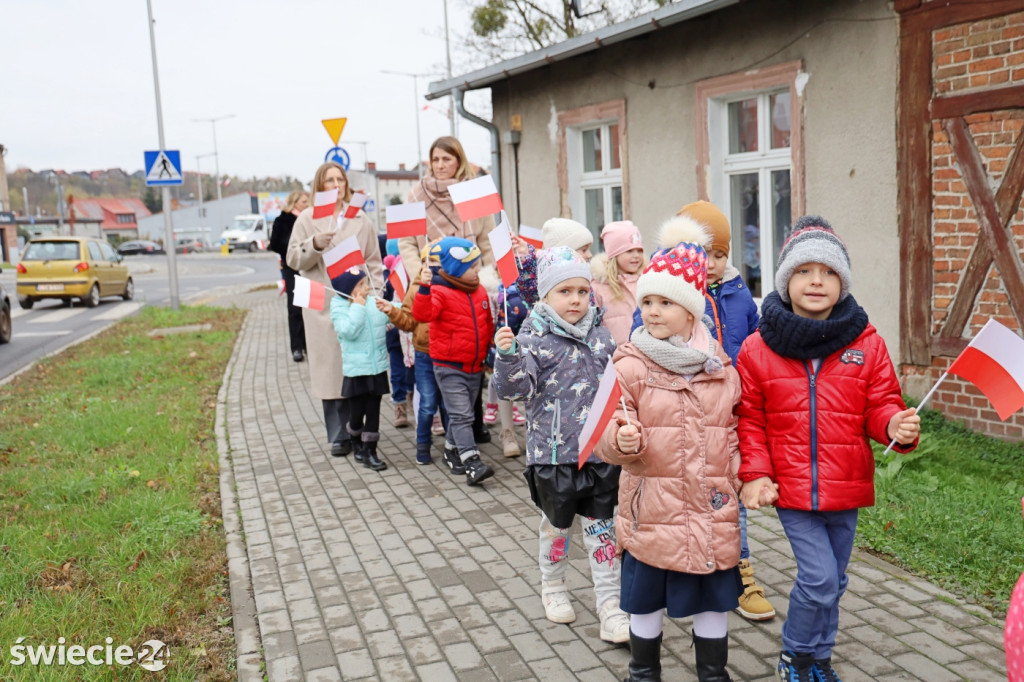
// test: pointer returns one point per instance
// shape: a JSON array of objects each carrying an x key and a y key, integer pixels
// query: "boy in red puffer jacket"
[
  {"x": 817, "y": 384},
  {"x": 461, "y": 328}
]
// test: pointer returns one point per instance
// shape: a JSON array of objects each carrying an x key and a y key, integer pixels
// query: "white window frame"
[
  {"x": 764, "y": 161},
  {"x": 605, "y": 179}
]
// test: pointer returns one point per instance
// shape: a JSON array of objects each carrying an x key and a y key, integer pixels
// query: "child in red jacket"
[
  {"x": 817, "y": 384},
  {"x": 461, "y": 328}
]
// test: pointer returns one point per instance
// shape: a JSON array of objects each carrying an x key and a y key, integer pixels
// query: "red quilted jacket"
[
  {"x": 461, "y": 326},
  {"x": 808, "y": 431}
]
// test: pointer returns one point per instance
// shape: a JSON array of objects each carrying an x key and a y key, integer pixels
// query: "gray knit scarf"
[
  {"x": 675, "y": 355},
  {"x": 579, "y": 331}
]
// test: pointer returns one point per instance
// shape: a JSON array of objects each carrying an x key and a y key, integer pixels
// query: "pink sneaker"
[
  {"x": 517, "y": 417},
  {"x": 490, "y": 413},
  {"x": 437, "y": 428}
]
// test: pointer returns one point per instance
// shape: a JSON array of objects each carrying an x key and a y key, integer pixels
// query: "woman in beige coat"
[{"x": 310, "y": 239}]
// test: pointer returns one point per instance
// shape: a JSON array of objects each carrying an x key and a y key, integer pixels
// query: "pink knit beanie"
[{"x": 620, "y": 237}]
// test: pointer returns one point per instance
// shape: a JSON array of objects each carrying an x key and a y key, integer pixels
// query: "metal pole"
[
  {"x": 24, "y": 195},
  {"x": 216, "y": 164},
  {"x": 172, "y": 267},
  {"x": 60, "y": 209},
  {"x": 419, "y": 145},
  {"x": 199, "y": 182},
  {"x": 448, "y": 54}
]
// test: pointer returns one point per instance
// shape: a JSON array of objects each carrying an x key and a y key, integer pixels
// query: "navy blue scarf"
[{"x": 802, "y": 338}]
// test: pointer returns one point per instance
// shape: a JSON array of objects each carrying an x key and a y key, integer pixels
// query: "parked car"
[
  {"x": 5, "y": 315},
  {"x": 72, "y": 267},
  {"x": 140, "y": 246},
  {"x": 188, "y": 245}
]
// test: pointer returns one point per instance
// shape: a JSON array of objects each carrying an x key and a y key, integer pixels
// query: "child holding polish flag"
[
  {"x": 555, "y": 232},
  {"x": 554, "y": 366},
  {"x": 675, "y": 437},
  {"x": 616, "y": 272},
  {"x": 314, "y": 234}
]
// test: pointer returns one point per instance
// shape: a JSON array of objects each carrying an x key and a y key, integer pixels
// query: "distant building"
[{"x": 118, "y": 217}]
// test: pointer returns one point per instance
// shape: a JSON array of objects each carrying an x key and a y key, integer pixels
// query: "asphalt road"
[{"x": 50, "y": 326}]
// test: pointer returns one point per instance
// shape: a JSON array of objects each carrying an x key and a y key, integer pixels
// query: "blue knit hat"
[
  {"x": 346, "y": 282},
  {"x": 457, "y": 255}
]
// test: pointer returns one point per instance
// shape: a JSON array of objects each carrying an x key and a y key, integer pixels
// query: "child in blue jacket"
[{"x": 364, "y": 361}]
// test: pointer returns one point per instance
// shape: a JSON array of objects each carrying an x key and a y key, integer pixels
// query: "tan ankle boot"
[
  {"x": 401, "y": 418},
  {"x": 753, "y": 604},
  {"x": 509, "y": 444}
]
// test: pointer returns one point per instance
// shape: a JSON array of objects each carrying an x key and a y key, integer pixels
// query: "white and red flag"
[
  {"x": 344, "y": 256},
  {"x": 309, "y": 294},
  {"x": 323, "y": 203},
  {"x": 352, "y": 210},
  {"x": 475, "y": 198},
  {"x": 504, "y": 255},
  {"x": 531, "y": 235},
  {"x": 399, "y": 279},
  {"x": 601, "y": 412},
  {"x": 280, "y": 287},
  {"x": 407, "y": 220},
  {"x": 994, "y": 362}
]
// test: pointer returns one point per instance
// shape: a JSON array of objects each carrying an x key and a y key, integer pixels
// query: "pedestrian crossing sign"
[{"x": 163, "y": 167}]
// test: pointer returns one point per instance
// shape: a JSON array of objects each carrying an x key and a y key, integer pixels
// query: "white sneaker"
[
  {"x": 614, "y": 622},
  {"x": 557, "y": 606},
  {"x": 509, "y": 444}
]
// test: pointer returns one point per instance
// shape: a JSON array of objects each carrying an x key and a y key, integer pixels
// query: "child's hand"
[
  {"x": 904, "y": 426},
  {"x": 383, "y": 306},
  {"x": 426, "y": 275},
  {"x": 504, "y": 338},
  {"x": 521, "y": 247},
  {"x": 628, "y": 438},
  {"x": 761, "y": 492}
]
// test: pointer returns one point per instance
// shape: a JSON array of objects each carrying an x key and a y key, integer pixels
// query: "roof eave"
[{"x": 673, "y": 13}]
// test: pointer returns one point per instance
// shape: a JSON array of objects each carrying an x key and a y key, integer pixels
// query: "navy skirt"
[
  {"x": 562, "y": 491},
  {"x": 646, "y": 589}
]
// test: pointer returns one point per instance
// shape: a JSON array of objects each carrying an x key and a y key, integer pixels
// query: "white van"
[{"x": 250, "y": 232}]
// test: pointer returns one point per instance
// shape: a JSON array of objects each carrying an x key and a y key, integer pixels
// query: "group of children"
[{"x": 722, "y": 410}]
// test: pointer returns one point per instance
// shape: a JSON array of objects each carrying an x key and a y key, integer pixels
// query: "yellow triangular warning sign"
[{"x": 334, "y": 127}]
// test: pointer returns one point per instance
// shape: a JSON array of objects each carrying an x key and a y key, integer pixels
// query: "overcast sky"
[{"x": 77, "y": 87}]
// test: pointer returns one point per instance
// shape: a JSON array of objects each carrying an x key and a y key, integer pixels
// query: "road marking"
[
  {"x": 118, "y": 311},
  {"x": 57, "y": 316},
  {"x": 21, "y": 335},
  {"x": 18, "y": 312}
]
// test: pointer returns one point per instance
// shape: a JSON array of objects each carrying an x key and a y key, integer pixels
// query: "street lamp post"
[
  {"x": 416, "y": 103},
  {"x": 216, "y": 161},
  {"x": 199, "y": 176}
]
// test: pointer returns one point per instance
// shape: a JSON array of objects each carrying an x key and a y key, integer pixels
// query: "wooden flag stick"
[{"x": 920, "y": 405}]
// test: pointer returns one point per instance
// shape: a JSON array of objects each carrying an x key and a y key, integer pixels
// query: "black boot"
[
  {"x": 370, "y": 446},
  {"x": 711, "y": 655},
  {"x": 645, "y": 662},
  {"x": 341, "y": 448},
  {"x": 359, "y": 452}
]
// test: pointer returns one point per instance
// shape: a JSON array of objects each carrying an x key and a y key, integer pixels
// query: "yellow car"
[{"x": 72, "y": 267}]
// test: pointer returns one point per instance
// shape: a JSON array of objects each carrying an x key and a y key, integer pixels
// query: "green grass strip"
[
  {"x": 951, "y": 511},
  {"x": 109, "y": 501}
]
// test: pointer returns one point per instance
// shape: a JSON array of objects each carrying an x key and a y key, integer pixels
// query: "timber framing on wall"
[{"x": 918, "y": 108}]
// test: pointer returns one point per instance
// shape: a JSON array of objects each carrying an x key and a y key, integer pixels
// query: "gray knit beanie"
[
  {"x": 557, "y": 265},
  {"x": 812, "y": 241}
]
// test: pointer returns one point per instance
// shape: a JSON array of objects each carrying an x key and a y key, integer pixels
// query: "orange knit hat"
[{"x": 707, "y": 214}]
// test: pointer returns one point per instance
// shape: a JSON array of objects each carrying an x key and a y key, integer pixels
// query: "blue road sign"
[
  {"x": 339, "y": 156},
  {"x": 163, "y": 167},
  {"x": 370, "y": 206}
]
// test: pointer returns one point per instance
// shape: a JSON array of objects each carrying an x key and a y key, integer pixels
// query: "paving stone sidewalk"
[{"x": 341, "y": 573}]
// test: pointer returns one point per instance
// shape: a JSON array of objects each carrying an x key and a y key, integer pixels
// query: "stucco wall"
[{"x": 849, "y": 121}]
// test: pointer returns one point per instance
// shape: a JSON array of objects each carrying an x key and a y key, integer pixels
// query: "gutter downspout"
[{"x": 457, "y": 95}]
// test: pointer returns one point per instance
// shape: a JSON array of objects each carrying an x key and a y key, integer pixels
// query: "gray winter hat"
[
  {"x": 813, "y": 241},
  {"x": 557, "y": 265}
]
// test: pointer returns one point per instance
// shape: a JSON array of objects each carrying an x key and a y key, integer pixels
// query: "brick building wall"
[{"x": 967, "y": 58}]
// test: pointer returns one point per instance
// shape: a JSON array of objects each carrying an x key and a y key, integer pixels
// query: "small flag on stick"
[
  {"x": 504, "y": 257},
  {"x": 531, "y": 235},
  {"x": 407, "y": 220},
  {"x": 994, "y": 362},
  {"x": 608, "y": 395},
  {"x": 352, "y": 210},
  {"x": 309, "y": 294},
  {"x": 323, "y": 203},
  {"x": 344, "y": 256},
  {"x": 399, "y": 279},
  {"x": 475, "y": 198},
  {"x": 280, "y": 287}
]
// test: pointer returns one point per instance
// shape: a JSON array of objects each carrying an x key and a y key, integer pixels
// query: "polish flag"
[
  {"x": 475, "y": 198},
  {"x": 323, "y": 203},
  {"x": 309, "y": 294},
  {"x": 504, "y": 257},
  {"x": 994, "y": 362},
  {"x": 358, "y": 199},
  {"x": 531, "y": 235},
  {"x": 280, "y": 287},
  {"x": 399, "y": 279},
  {"x": 344, "y": 256},
  {"x": 407, "y": 220},
  {"x": 608, "y": 396}
]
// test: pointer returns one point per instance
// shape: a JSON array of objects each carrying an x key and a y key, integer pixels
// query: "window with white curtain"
[{"x": 595, "y": 174}]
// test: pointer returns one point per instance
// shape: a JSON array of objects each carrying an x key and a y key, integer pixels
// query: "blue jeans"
[
  {"x": 822, "y": 543},
  {"x": 402, "y": 378},
  {"x": 430, "y": 397},
  {"x": 744, "y": 547}
]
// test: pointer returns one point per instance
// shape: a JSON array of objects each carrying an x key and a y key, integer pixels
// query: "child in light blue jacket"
[{"x": 364, "y": 360}]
